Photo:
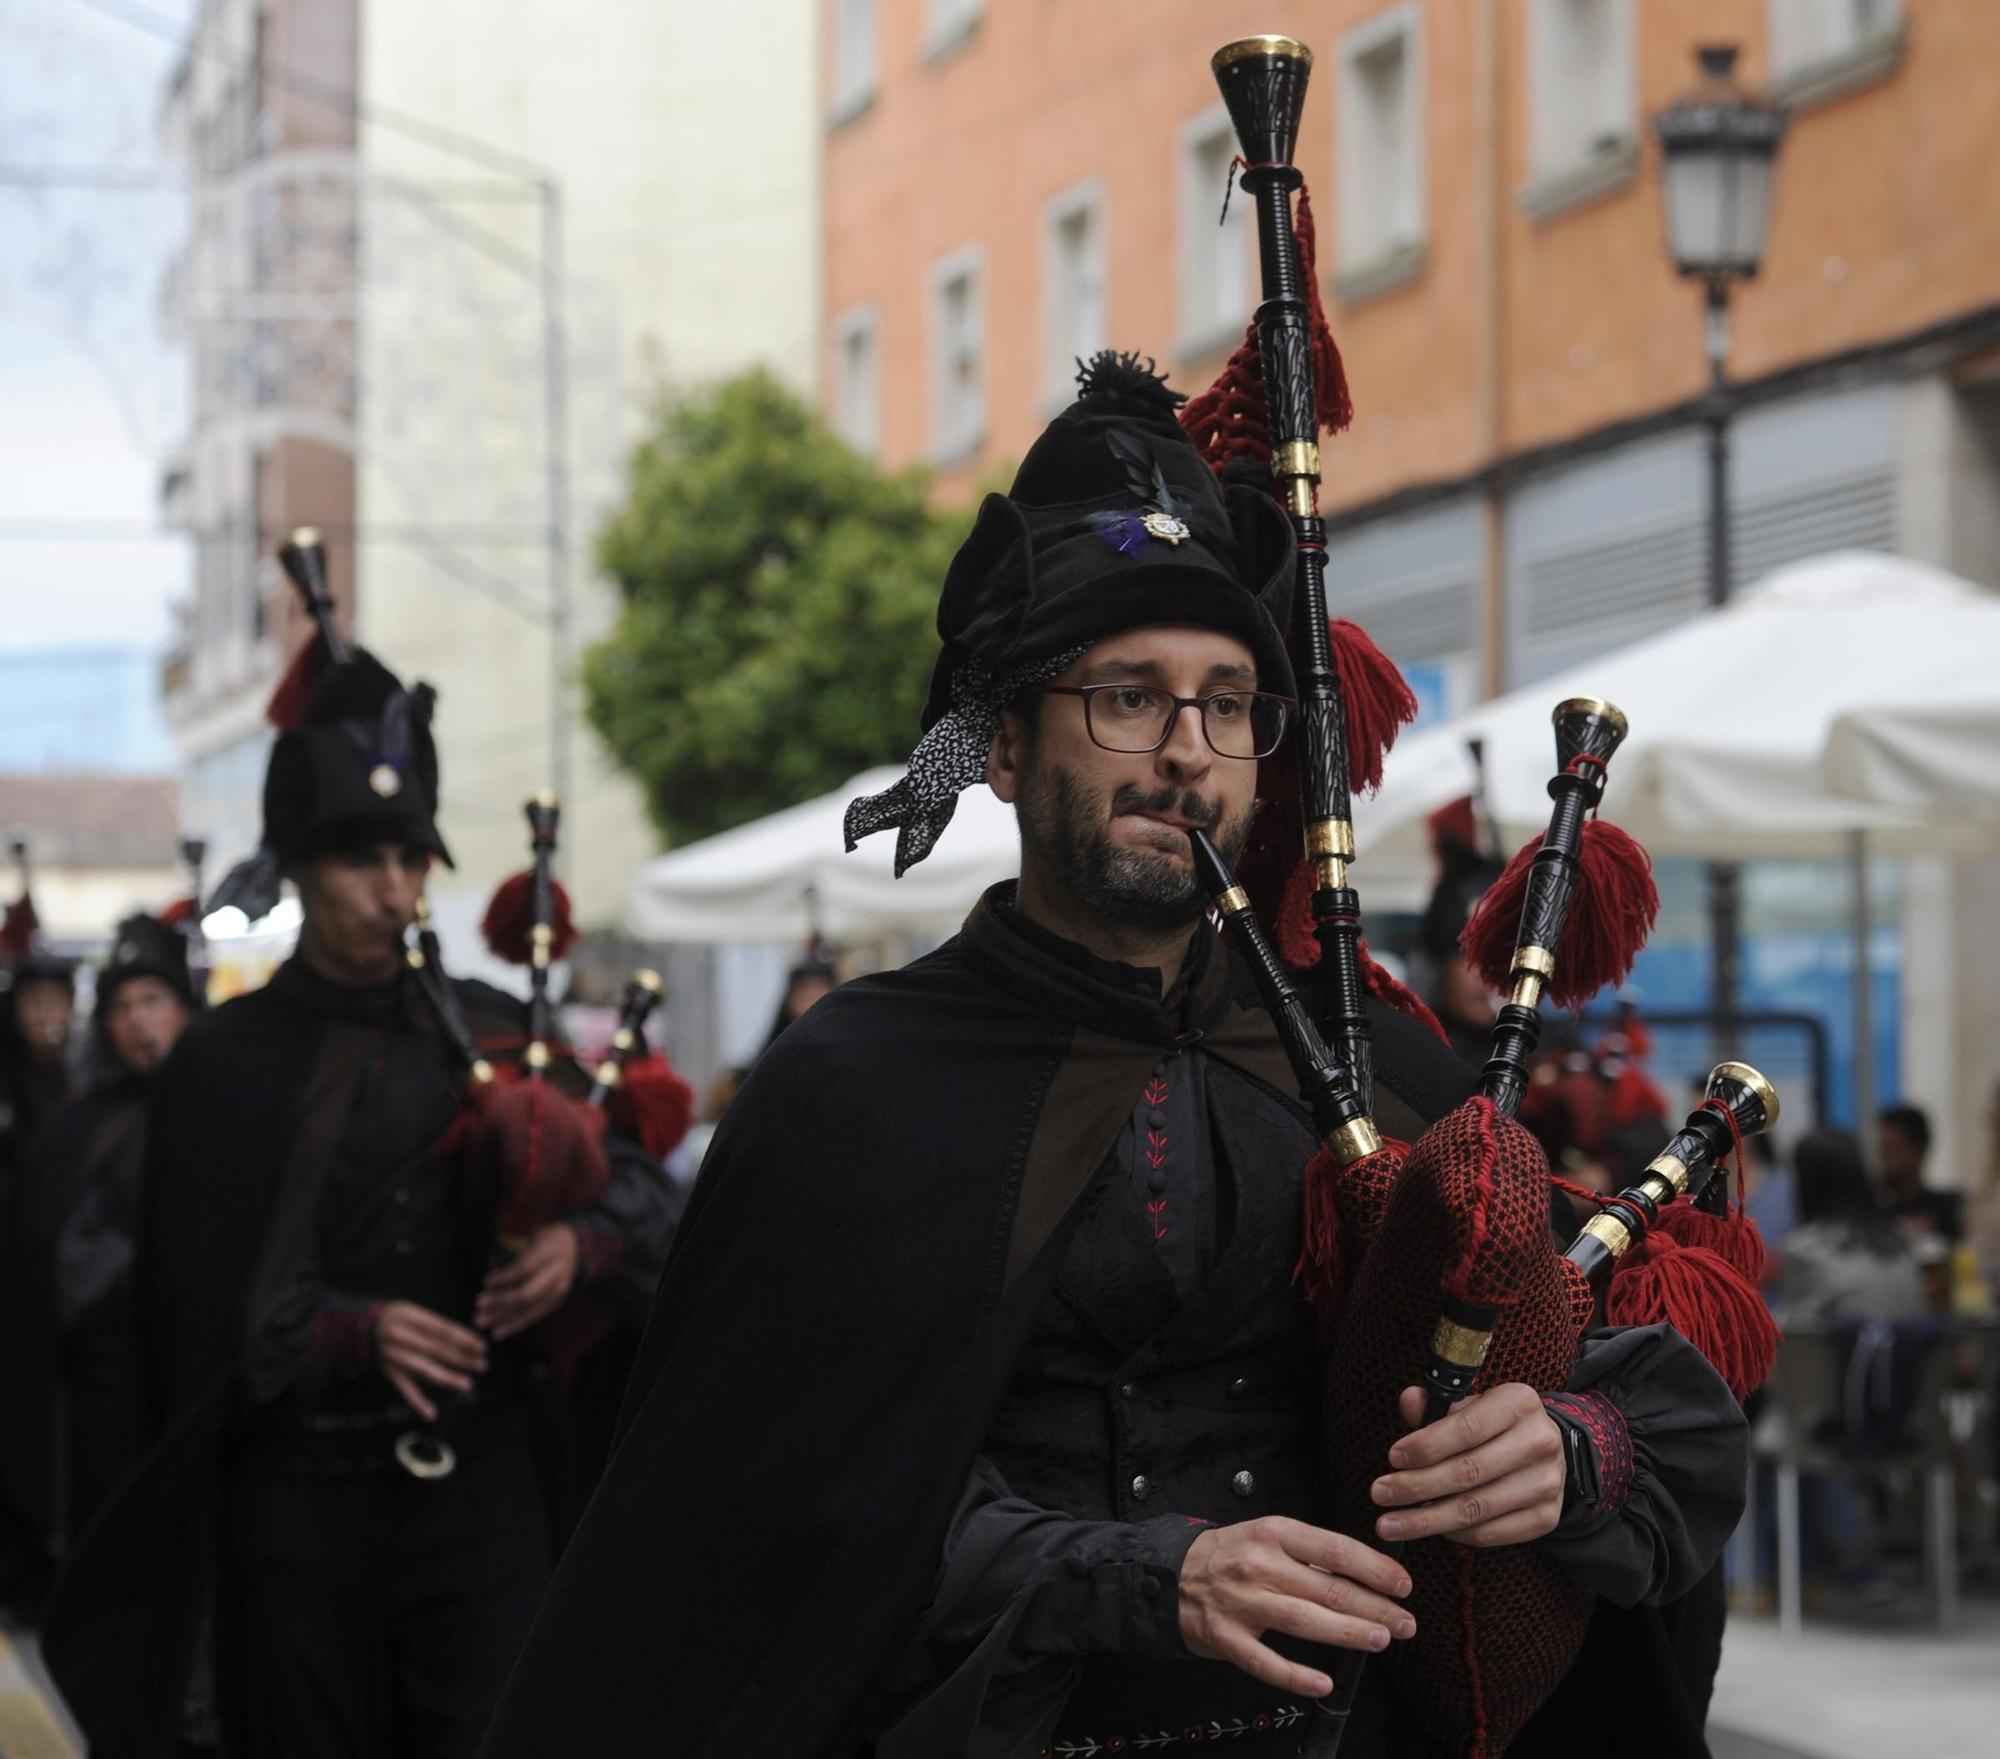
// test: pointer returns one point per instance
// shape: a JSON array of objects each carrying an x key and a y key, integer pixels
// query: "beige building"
[{"x": 535, "y": 213}]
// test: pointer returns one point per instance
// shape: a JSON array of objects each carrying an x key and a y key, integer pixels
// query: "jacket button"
[
  {"x": 1238, "y": 1387},
  {"x": 1142, "y": 1487},
  {"x": 402, "y": 1248},
  {"x": 1128, "y": 1391},
  {"x": 1244, "y": 1483}
]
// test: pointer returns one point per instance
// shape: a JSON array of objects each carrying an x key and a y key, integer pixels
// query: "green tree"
[{"x": 779, "y": 592}]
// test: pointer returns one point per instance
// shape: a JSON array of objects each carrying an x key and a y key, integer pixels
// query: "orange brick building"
[{"x": 1009, "y": 183}]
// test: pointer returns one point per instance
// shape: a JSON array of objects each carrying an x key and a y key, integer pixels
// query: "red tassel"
[
  {"x": 179, "y": 911},
  {"x": 1378, "y": 702},
  {"x": 17, "y": 928},
  {"x": 1610, "y": 917},
  {"x": 1321, "y": 1273},
  {"x": 1634, "y": 1098},
  {"x": 508, "y": 924},
  {"x": 1734, "y": 1237},
  {"x": 1232, "y": 418},
  {"x": 1336, "y": 402},
  {"x": 287, "y": 708},
  {"x": 654, "y": 1104},
  {"x": 1703, "y": 1297}
]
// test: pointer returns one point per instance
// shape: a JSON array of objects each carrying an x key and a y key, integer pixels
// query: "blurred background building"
[
  {"x": 435, "y": 348},
  {"x": 1010, "y": 186}
]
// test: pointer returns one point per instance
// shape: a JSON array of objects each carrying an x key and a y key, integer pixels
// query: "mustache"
[{"x": 1184, "y": 803}]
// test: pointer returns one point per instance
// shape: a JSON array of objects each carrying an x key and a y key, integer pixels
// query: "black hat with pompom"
[{"x": 1115, "y": 520}]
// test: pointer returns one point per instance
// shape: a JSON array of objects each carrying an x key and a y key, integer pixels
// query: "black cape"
[{"x": 877, "y": 1222}]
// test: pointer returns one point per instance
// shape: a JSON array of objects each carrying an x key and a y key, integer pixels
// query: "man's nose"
[{"x": 1186, "y": 751}]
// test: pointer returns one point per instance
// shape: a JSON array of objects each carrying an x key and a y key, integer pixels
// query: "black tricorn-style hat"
[
  {"x": 1114, "y": 520},
  {"x": 360, "y": 766},
  {"x": 144, "y": 946}
]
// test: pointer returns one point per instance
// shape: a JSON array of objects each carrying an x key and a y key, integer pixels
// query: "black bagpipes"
[{"x": 1438, "y": 1262}]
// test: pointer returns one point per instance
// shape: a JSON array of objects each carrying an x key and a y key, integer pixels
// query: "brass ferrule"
[
  {"x": 608, "y": 1073},
  {"x": 1672, "y": 1170},
  {"x": 1355, "y": 1140},
  {"x": 1330, "y": 836},
  {"x": 304, "y": 537},
  {"x": 414, "y": 958},
  {"x": 649, "y": 980},
  {"x": 536, "y": 1055},
  {"x": 1744, "y": 1075},
  {"x": 1301, "y": 497},
  {"x": 1591, "y": 705},
  {"x": 1536, "y": 959},
  {"x": 1609, "y": 1231},
  {"x": 1329, "y": 873},
  {"x": 481, "y": 1072},
  {"x": 622, "y": 1039},
  {"x": 1244, "y": 48},
  {"x": 1295, "y": 458},
  {"x": 1527, "y": 990},
  {"x": 1657, "y": 1189},
  {"x": 1233, "y": 902},
  {"x": 545, "y": 800},
  {"x": 1460, "y": 1345}
]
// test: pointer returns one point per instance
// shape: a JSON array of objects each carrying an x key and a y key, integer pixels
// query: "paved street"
[{"x": 1849, "y": 1691}]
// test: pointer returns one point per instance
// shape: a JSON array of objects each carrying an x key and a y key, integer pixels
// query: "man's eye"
[
  {"x": 1225, "y": 708},
  {"x": 1131, "y": 701}
]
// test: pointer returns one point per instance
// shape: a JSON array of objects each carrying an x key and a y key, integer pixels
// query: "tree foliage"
[{"x": 777, "y": 625}]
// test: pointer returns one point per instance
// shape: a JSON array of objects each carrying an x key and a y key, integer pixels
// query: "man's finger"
[
  {"x": 1514, "y": 1529},
  {"x": 1261, "y": 1663},
  {"x": 1333, "y": 1630},
  {"x": 1472, "y": 1421},
  {"x": 1507, "y": 1452},
  {"x": 1458, "y": 1514},
  {"x": 410, "y": 1395},
  {"x": 1339, "y": 1555},
  {"x": 442, "y": 1337},
  {"x": 1336, "y": 1594}
]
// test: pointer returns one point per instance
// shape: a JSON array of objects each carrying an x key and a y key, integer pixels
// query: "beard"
[{"x": 1066, "y": 831}]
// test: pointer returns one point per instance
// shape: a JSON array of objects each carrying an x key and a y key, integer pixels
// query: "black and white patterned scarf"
[{"x": 947, "y": 760}]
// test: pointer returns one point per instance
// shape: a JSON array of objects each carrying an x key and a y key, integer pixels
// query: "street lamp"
[{"x": 1718, "y": 146}]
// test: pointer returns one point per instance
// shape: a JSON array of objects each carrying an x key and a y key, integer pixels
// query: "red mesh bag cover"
[
  {"x": 1469, "y": 1212},
  {"x": 1343, "y": 1210},
  {"x": 531, "y": 1156}
]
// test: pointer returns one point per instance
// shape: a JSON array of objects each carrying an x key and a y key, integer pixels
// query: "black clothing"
[
  {"x": 265, "y": 1411},
  {"x": 66, "y": 1408},
  {"x": 873, "y": 1258},
  {"x": 1930, "y": 1214}
]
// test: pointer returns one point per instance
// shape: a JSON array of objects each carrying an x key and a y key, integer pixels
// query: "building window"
[
  {"x": 856, "y": 403},
  {"x": 1073, "y": 292},
  {"x": 957, "y": 353},
  {"x": 947, "y": 23},
  {"x": 1380, "y": 173},
  {"x": 1583, "y": 75},
  {"x": 856, "y": 58},
  {"x": 1824, "y": 49},
  {"x": 1808, "y": 32},
  {"x": 1215, "y": 259}
]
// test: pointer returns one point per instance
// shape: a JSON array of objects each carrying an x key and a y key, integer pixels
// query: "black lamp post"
[{"x": 1718, "y": 146}]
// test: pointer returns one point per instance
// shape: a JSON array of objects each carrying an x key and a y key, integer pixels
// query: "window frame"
[
  {"x": 864, "y": 318},
  {"x": 1204, "y": 330},
  {"x": 1366, "y": 266},
  {"x": 954, "y": 442},
  {"x": 850, "y": 93},
  {"x": 1084, "y": 197}
]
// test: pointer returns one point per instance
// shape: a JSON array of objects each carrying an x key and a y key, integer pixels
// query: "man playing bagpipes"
[
  {"x": 979, "y": 1412},
  {"x": 337, "y": 1538}
]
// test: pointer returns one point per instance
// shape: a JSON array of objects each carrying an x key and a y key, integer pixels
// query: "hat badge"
[
  {"x": 127, "y": 953},
  {"x": 385, "y": 781},
  {"x": 1166, "y": 527}
]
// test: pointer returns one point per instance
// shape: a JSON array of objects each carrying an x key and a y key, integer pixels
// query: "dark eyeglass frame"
[{"x": 1283, "y": 704}]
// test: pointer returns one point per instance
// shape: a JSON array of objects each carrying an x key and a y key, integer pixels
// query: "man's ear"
[{"x": 1006, "y": 756}]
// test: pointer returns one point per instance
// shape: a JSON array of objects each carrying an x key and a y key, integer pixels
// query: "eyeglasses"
[{"x": 1138, "y": 718}]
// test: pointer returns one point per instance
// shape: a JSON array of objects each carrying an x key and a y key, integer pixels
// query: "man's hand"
[
  {"x": 1491, "y": 1473},
  {"x": 1276, "y": 1574},
  {"x": 531, "y": 1286},
  {"x": 415, "y": 1345}
]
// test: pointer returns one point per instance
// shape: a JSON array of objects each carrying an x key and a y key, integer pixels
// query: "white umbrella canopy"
[
  {"x": 1730, "y": 715},
  {"x": 1935, "y": 751},
  {"x": 782, "y": 876}
]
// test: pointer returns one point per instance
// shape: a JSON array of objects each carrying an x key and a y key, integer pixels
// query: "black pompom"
[{"x": 1114, "y": 373}]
